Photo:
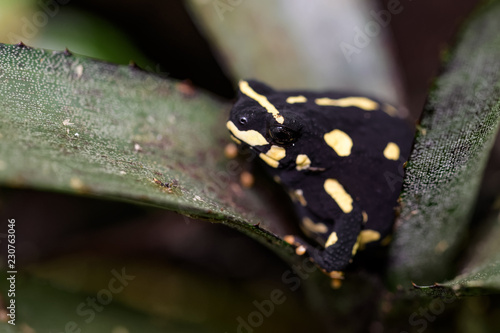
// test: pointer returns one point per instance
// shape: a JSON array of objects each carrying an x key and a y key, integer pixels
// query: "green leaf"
[
  {"x": 481, "y": 272},
  {"x": 77, "y": 125},
  {"x": 326, "y": 51},
  {"x": 144, "y": 295},
  {"x": 458, "y": 128},
  {"x": 41, "y": 307}
]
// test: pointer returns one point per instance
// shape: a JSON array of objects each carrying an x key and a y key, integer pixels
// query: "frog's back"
[{"x": 364, "y": 145}]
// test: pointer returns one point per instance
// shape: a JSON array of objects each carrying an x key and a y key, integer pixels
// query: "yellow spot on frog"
[
  {"x": 314, "y": 227},
  {"x": 296, "y": 99},
  {"x": 235, "y": 139},
  {"x": 390, "y": 110},
  {"x": 368, "y": 236},
  {"x": 303, "y": 162},
  {"x": 268, "y": 160},
  {"x": 359, "y": 102},
  {"x": 262, "y": 100},
  {"x": 365, "y": 216},
  {"x": 386, "y": 241},
  {"x": 339, "y": 194},
  {"x": 252, "y": 137},
  {"x": 276, "y": 152},
  {"x": 391, "y": 151},
  {"x": 273, "y": 155},
  {"x": 300, "y": 250},
  {"x": 298, "y": 195},
  {"x": 289, "y": 239},
  {"x": 356, "y": 246},
  {"x": 332, "y": 239},
  {"x": 339, "y": 141}
]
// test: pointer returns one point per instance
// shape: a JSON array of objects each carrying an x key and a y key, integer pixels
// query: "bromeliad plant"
[{"x": 76, "y": 125}]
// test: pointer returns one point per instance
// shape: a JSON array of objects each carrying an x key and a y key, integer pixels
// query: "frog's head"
[{"x": 262, "y": 119}]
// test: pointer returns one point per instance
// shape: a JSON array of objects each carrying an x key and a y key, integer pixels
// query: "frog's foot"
[
  {"x": 331, "y": 259},
  {"x": 340, "y": 246},
  {"x": 301, "y": 247}
]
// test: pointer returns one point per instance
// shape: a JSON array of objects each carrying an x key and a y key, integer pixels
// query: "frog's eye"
[
  {"x": 282, "y": 135},
  {"x": 243, "y": 120}
]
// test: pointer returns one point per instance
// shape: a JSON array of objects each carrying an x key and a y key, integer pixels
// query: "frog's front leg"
[{"x": 341, "y": 243}]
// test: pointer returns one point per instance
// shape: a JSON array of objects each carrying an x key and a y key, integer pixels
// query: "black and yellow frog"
[{"x": 339, "y": 156}]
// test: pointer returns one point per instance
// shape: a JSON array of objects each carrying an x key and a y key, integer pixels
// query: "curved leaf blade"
[
  {"x": 77, "y": 125},
  {"x": 458, "y": 128}
]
